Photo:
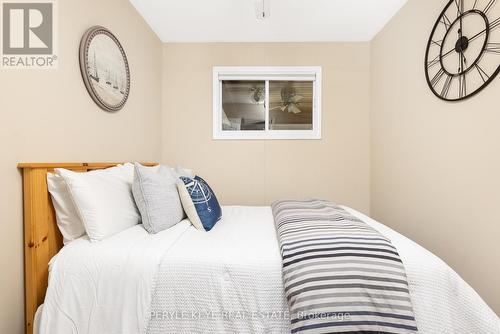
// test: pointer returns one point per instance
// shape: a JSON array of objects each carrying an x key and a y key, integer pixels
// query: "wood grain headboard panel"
[{"x": 42, "y": 239}]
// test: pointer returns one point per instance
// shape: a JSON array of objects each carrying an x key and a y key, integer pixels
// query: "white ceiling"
[{"x": 288, "y": 21}]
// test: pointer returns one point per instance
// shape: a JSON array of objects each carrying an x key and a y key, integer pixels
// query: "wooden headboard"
[{"x": 42, "y": 239}]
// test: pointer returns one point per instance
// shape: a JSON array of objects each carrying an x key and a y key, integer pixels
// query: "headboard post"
[{"x": 42, "y": 239}]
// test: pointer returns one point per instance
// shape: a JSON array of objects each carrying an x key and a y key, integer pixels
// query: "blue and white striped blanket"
[{"x": 341, "y": 275}]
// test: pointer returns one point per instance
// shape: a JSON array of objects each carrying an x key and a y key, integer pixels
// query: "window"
[{"x": 267, "y": 103}]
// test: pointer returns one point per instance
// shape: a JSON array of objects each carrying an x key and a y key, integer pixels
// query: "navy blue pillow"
[{"x": 199, "y": 202}]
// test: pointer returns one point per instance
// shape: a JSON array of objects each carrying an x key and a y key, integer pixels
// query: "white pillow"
[
  {"x": 67, "y": 218},
  {"x": 103, "y": 199}
]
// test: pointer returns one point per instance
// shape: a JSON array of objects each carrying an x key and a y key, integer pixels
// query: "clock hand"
[
  {"x": 461, "y": 65},
  {"x": 460, "y": 35},
  {"x": 461, "y": 10},
  {"x": 463, "y": 61},
  {"x": 470, "y": 40},
  {"x": 494, "y": 24}
]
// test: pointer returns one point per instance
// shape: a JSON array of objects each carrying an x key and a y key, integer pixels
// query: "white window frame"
[{"x": 298, "y": 73}]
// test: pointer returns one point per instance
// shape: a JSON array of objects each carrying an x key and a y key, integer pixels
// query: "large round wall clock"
[{"x": 463, "y": 52}]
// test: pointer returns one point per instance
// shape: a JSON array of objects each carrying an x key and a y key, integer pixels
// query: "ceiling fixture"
[
  {"x": 290, "y": 100},
  {"x": 262, "y": 9},
  {"x": 258, "y": 94}
]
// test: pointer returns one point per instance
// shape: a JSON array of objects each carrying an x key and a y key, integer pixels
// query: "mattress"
[
  {"x": 225, "y": 281},
  {"x": 105, "y": 287}
]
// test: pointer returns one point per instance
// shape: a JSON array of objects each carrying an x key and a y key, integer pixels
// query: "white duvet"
[{"x": 224, "y": 281}]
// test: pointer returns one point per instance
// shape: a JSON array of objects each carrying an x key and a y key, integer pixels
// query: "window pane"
[
  {"x": 291, "y": 105},
  {"x": 243, "y": 105}
]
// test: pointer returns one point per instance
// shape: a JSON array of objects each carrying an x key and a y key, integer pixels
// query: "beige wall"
[
  {"x": 435, "y": 165},
  {"x": 258, "y": 172},
  {"x": 49, "y": 116}
]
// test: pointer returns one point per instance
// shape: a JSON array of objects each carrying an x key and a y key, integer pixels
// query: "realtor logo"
[{"x": 28, "y": 34}]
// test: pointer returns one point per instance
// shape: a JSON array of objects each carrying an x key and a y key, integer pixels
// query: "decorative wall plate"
[{"x": 104, "y": 68}]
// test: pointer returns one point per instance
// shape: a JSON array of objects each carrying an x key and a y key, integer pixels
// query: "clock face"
[{"x": 463, "y": 52}]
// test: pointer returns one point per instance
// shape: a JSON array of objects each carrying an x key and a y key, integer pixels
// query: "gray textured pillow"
[{"x": 156, "y": 196}]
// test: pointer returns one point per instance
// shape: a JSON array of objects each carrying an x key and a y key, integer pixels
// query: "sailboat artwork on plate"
[
  {"x": 94, "y": 74},
  {"x": 104, "y": 68}
]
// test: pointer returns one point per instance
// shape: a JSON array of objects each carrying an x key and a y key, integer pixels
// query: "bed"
[{"x": 226, "y": 281}]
